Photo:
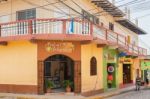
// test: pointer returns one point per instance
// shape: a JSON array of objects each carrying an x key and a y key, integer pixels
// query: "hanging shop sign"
[
  {"x": 111, "y": 69},
  {"x": 67, "y": 47},
  {"x": 126, "y": 60}
]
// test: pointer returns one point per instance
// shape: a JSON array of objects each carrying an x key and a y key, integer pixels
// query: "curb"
[
  {"x": 115, "y": 94},
  {"x": 111, "y": 95}
]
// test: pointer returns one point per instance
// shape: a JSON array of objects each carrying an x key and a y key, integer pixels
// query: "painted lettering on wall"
[
  {"x": 67, "y": 47},
  {"x": 111, "y": 57},
  {"x": 127, "y": 60}
]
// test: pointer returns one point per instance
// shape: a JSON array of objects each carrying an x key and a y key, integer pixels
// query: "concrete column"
[
  {"x": 40, "y": 77},
  {"x": 77, "y": 76}
]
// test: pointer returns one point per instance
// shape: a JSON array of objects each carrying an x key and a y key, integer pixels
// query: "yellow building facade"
[{"x": 42, "y": 41}]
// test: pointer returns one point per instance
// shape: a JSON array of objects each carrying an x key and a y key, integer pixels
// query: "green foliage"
[
  {"x": 67, "y": 83},
  {"x": 49, "y": 84}
]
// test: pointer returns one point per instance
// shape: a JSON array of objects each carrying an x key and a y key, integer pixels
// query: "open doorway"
[
  {"x": 111, "y": 75},
  {"x": 58, "y": 68},
  {"x": 127, "y": 74}
]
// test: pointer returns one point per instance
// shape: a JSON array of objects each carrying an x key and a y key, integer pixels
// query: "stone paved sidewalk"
[{"x": 66, "y": 95}]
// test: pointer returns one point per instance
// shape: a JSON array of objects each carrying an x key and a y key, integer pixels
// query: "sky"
[{"x": 139, "y": 9}]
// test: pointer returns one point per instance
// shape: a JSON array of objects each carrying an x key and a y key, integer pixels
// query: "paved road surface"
[{"x": 143, "y": 94}]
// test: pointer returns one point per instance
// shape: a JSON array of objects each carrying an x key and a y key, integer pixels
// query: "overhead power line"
[
  {"x": 40, "y": 6},
  {"x": 59, "y": 8},
  {"x": 141, "y": 16},
  {"x": 117, "y": 6}
]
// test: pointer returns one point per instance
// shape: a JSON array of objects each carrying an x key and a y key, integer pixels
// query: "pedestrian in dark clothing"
[
  {"x": 147, "y": 81},
  {"x": 138, "y": 83}
]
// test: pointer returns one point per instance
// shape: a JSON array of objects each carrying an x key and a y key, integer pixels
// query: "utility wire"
[
  {"x": 37, "y": 7},
  {"x": 141, "y": 6},
  {"x": 62, "y": 3},
  {"x": 119, "y": 6},
  {"x": 119, "y": 1},
  {"x": 129, "y": 3},
  {"x": 58, "y": 8},
  {"x": 141, "y": 16},
  {"x": 43, "y": 7}
]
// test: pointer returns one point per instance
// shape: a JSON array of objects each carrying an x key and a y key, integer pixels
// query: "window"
[
  {"x": 26, "y": 14},
  {"x": 111, "y": 26},
  {"x": 93, "y": 66},
  {"x": 90, "y": 17}
]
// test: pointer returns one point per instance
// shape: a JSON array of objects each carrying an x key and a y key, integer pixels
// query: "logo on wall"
[
  {"x": 110, "y": 57},
  {"x": 60, "y": 47},
  {"x": 111, "y": 69}
]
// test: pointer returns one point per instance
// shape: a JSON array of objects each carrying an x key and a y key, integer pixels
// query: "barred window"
[
  {"x": 26, "y": 14},
  {"x": 93, "y": 66}
]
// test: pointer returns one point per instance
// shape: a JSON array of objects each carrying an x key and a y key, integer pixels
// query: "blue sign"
[{"x": 122, "y": 54}]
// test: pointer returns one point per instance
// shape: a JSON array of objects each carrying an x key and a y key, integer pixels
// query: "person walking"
[
  {"x": 138, "y": 83},
  {"x": 147, "y": 81}
]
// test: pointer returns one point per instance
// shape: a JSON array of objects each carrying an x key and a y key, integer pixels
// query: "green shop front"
[
  {"x": 110, "y": 64},
  {"x": 145, "y": 69}
]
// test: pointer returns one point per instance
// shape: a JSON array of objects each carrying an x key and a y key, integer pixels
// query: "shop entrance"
[
  {"x": 111, "y": 75},
  {"x": 127, "y": 73},
  {"x": 57, "y": 69}
]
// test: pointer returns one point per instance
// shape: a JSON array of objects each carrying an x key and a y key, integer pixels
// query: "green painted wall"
[
  {"x": 114, "y": 54},
  {"x": 145, "y": 65}
]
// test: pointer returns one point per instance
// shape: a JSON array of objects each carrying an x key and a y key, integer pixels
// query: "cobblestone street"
[{"x": 143, "y": 94}]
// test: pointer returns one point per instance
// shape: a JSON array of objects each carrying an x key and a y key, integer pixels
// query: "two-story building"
[{"x": 83, "y": 41}]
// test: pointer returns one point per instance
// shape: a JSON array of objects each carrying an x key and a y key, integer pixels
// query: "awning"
[
  {"x": 109, "y": 7},
  {"x": 131, "y": 26}
]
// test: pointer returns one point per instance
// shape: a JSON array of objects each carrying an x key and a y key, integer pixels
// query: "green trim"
[
  {"x": 145, "y": 65},
  {"x": 112, "y": 53}
]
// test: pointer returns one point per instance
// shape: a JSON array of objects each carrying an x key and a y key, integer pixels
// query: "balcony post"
[
  {"x": 132, "y": 49},
  {"x": 145, "y": 52},
  {"x": 64, "y": 26},
  {"x": 138, "y": 51},
  {"x": 0, "y": 30},
  {"x": 106, "y": 35},
  {"x": 91, "y": 28},
  {"x": 142, "y": 52},
  {"x": 30, "y": 28},
  {"x": 126, "y": 41},
  {"x": 117, "y": 39}
]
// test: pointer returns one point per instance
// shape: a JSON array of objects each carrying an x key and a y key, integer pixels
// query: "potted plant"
[
  {"x": 67, "y": 84},
  {"x": 49, "y": 86}
]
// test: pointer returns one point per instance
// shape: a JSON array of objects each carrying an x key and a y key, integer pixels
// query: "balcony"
[
  {"x": 47, "y": 29},
  {"x": 66, "y": 29}
]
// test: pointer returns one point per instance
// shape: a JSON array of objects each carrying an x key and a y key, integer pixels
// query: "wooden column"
[
  {"x": 77, "y": 76},
  {"x": 40, "y": 77},
  {"x": 30, "y": 28},
  {"x": 106, "y": 35},
  {"x": 64, "y": 27},
  {"x": 0, "y": 31}
]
